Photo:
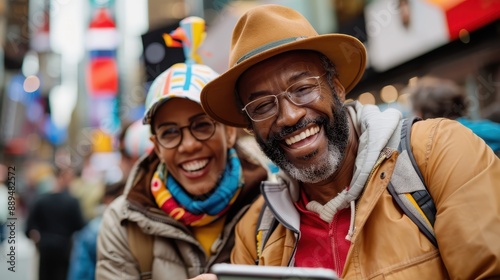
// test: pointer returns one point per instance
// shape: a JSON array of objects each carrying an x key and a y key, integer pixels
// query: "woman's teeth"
[
  {"x": 195, "y": 165},
  {"x": 303, "y": 135}
]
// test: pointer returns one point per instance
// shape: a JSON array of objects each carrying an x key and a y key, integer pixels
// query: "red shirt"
[{"x": 322, "y": 244}]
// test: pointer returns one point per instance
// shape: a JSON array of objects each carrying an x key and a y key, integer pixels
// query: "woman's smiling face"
[{"x": 196, "y": 165}]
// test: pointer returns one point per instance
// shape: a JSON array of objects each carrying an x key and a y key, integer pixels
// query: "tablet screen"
[{"x": 253, "y": 272}]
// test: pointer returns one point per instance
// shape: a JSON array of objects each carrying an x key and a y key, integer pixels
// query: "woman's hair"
[{"x": 433, "y": 97}]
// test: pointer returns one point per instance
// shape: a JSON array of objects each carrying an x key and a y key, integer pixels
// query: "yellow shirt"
[{"x": 207, "y": 235}]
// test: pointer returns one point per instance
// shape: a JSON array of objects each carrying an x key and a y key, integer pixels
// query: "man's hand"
[{"x": 206, "y": 276}]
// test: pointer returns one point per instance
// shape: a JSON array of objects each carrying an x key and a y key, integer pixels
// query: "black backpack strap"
[
  {"x": 423, "y": 198},
  {"x": 405, "y": 144},
  {"x": 408, "y": 188}
]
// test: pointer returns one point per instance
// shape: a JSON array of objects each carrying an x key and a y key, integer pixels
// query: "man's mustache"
[{"x": 275, "y": 137}]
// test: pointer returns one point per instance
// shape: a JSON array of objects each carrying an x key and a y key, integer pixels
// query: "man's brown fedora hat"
[{"x": 269, "y": 30}]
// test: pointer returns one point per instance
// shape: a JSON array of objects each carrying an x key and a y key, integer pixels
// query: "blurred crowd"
[{"x": 58, "y": 207}]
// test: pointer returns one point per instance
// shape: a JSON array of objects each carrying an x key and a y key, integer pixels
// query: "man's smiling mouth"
[{"x": 303, "y": 135}]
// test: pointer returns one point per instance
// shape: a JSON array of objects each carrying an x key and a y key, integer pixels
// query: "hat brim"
[
  {"x": 148, "y": 117},
  {"x": 346, "y": 52}
]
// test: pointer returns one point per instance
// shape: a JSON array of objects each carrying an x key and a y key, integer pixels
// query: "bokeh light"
[
  {"x": 389, "y": 94},
  {"x": 31, "y": 84},
  {"x": 366, "y": 98}
]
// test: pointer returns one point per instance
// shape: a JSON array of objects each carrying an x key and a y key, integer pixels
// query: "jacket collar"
[{"x": 377, "y": 130}]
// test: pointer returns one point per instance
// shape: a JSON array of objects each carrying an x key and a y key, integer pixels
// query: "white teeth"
[
  {"x": 303, "y": 135},
  {"x": 195, "y": 165}
]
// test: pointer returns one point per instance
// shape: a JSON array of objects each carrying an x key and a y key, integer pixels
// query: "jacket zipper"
[
  {"x": 384, "y": 154},
  {"x": 226, "y": 233}
]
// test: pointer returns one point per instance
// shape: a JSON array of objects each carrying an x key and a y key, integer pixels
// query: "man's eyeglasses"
[
  {"x": 299, "y": 93},
  {"x": 170, "y": 136}
]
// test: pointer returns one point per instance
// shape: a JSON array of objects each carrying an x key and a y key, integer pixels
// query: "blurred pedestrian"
[
  {"x": 4, "y": 202},
  {"x": 52, "y": 220},
  {"x": 492, "y": 112},
  {"x": 433, "y": 97},
  {"x": 133, "y": 142},
  {"x": 84, "y": 252}
]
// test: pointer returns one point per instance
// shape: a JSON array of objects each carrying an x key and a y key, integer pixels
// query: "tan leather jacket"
[
  {"x": 463, "y": 176},
  {"x": 176, "y": 253}
]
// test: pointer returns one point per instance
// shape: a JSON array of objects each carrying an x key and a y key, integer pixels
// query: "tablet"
[{"x": 253, "y": 272}]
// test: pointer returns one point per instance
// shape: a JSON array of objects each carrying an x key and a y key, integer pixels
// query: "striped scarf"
[{"x": 178, "y": 204}]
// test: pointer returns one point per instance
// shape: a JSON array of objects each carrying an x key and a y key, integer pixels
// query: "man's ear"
[
  {"x": 339, "y": 89},
  {"x": 231, "y": 134},
  {"x": 249, "y": 131}
]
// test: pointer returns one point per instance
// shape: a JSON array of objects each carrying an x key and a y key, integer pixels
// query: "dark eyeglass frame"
[
  {"x": 190, "y": 128},
  {"x": 287, "y": 95}
]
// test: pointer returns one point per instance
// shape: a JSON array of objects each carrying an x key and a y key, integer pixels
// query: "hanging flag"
[
  {"x": 102, "y": 42},
  {"x": 40, "y": 40},
  {"x": 102, "y": 71}
]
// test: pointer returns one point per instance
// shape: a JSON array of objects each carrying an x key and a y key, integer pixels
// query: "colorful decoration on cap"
[
  {"x": 189, "y": 35},
  {"x": 136, "y": 141},
  {"x": 184, "y": 80}
]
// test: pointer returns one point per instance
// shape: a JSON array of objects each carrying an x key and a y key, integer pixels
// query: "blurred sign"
[
  {"x": 16, "y": 33},
  {"x": 102, "y": 70},
  {"x": 40, "y": 38},
  {"x": 215, "y": 48},
  {"x": 102, "y": 42},
  {"x": 401, "y": 30}
]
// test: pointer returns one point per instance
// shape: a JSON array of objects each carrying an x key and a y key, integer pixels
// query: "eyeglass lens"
[
  {"x": 201, "y": 128},
  {"x": 299, "y": 93}
]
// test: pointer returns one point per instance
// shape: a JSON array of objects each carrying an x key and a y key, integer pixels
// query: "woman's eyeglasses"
[{"x": 170, "y": 136}]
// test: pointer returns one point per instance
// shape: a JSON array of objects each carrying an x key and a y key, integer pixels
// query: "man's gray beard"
[
  {"x": 337, "y": 133},
  {"x": 325, "y": 167}
]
